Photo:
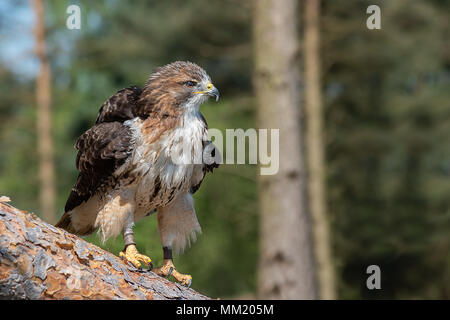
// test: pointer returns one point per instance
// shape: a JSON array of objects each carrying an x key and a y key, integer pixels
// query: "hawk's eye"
[{"x": 190, "y": 83}]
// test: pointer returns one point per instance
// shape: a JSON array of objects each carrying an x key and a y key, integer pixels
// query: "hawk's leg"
[
  {"x": 130, "y": 253},
  {"x": 168, "y": 268}
]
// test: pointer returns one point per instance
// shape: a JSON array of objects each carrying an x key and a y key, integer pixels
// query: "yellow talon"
[
  {"x": 132, "y": 255},
  {"x": 168, "y": 269}
]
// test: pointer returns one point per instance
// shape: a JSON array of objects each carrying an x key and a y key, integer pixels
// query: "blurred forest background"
[{"x": 386, "y": 128}]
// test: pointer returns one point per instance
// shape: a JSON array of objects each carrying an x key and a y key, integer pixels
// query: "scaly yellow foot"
[
  {"x": 132, "y": 255},
  {"x": 168, "y": 269}
]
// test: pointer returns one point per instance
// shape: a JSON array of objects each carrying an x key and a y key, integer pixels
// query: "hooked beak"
[
  {"x": 210, "y": 91},
  {"x": 213, "y": 92}
]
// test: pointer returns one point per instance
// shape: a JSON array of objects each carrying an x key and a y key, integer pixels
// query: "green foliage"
[
  {"x": 387, "y": 126},
  {"x": 388, "y": 155}
]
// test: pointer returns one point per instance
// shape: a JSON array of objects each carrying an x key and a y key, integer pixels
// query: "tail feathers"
[{"x": 66, "y": 223}]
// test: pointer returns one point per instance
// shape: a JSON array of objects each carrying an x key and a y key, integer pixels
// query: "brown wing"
[
  {"x": 101, "y": 150},
  {"x": 105, "y": 146},
  {"x": 208, "y": 167},
  {"x": 121, "y": 106}
]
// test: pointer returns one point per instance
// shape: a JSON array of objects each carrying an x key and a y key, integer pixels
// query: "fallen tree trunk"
[{"x": 40, "y": 261}]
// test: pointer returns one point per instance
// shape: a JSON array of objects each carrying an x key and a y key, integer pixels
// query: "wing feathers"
[
  {"x": 121, "y": 106},
  {"x": 104, "y": 147},
  {"x": 101, "y": 150},
  {"x": 207, "y": 167}
]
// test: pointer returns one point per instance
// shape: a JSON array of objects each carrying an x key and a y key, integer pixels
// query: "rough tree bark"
[
  {"x": 315, "y": 151},
  {"x": 286, "y": 266},
  {"x": 39, "y": 261},
  {"x": 44, "y": 123}
]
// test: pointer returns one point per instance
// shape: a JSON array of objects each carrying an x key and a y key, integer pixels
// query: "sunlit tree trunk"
[
  {"x": 39, "y": 261},
  {"x": 43, "y": 99},
  {"x": 286, "y": 267},
  {"x": 315, "y": 151}
]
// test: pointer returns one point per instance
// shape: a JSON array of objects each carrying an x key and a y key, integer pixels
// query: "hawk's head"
[{"x": 180, "y": 84}]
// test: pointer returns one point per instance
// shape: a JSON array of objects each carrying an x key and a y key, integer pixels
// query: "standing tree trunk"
[
  {"x": 286, "y": 267},
  {"x": 315, "y": 151},
  {"x": 43, "y": 99}
]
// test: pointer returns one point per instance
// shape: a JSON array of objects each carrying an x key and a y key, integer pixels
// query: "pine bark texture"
[
  {"x": 286, "y": 266},
  {"x": 44, "y": 123},
  {"x": 40, "y": 261},
  {"x": 315, "y": 151}
]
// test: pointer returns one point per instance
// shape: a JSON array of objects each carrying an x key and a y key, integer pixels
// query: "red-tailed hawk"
[{"x": 140, "y": 157}]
